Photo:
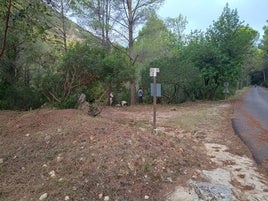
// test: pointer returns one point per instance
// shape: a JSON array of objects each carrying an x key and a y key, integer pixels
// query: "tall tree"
[
  {"x": 96, "y": 16},
  {"x": 63, "y": 9},
  {"x": 131, "y": 14},
  {"x": 116, "y": 21},
  {"x": 177, "y": 26},
  {"x": 5, "y": 7},
  {"x": 154, "y": 41},
  {"x": 264, "y": 47},
  {"x": 231, "y": 42},
  {"x": 22, "y": 25}
]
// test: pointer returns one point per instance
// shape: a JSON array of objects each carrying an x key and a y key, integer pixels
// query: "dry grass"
[{"x": 113, "y": 155}]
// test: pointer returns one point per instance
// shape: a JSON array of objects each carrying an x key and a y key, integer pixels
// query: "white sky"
[{"x": 201, "y": 13}]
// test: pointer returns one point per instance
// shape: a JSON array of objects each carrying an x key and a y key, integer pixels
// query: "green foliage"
[
  {"x": 19, "y": 97},
  {"x": 68, "y": 102},
  {"x": 50, "y": 84},
  {"x": 86, "y": 68},
  {"x": 154, "y": 41},
  {"x": 177, "y": 27},
  {"x": 94, "y": 91},
  {"x": 264, "y": 41},
  {"x": 35, "y": 66},
  {"x": 117, "y": 69},
  {"x": 264, "y": 47},
  {"x": 265, "y": 84},
  {"x": 82, "y": 65},
  {"x": 206, "y": 61},
  {"x": 233, "y": 41},
  {"x": 180, "y": 80},
  {"x": 222, "y": 53}
]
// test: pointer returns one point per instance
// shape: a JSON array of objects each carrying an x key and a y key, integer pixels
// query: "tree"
[
  {"x": 264, "y": 41},
  {"x": 264, "y": 47},
  {"x": 8, "y": 6},
  {"x": 96, "y": 16},
  {"x": 130, "y": 14},
  {"x": 177, "y": 26},
  {"x": 24, "y": 26},
  {"x": 116, "y": 22},
  {"x": 154, "y": 41},
  {"x": 228, "y": 43},
  {"x": 81, "y": 65},
  {"x": 62, "y": 8}
]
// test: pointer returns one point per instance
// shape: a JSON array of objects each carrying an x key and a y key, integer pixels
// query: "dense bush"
[{"x": 19, "y": 97}]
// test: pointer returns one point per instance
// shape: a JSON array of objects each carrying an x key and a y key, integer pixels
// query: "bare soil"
[{"x": 72, "y": 156}]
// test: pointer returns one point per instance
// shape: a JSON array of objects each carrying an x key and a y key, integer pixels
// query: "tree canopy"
[{"x": 45, "y": 55}]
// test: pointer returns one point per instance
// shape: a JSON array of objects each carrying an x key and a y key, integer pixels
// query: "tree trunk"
[
  {"x": 6, "y": 29},
  {"x": 133, "y": 93},
  {"x": 63, "y": 26},
  {"x": 130, "y": 45}
]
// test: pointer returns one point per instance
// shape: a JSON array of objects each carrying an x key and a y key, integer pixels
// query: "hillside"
[{"x": 72, "y": 156}]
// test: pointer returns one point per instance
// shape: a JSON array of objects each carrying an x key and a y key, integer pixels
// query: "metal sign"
[
  {"x": 158, "y": 89},
  {"x": 154, "y": 71},
  {"x": 226, "y": 90}
]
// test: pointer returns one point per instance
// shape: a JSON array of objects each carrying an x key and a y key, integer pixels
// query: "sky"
[{"x": 200, "y": 14}]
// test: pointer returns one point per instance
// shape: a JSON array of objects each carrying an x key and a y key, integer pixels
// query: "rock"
[
  {"x": 183, "y": 194},
  {"x": 106, "y": 198},
  {"x": 157, "y": 131},
  {"x": 215, "y": 192},
  {"x": 146, "y": 197},
  {"x": 218, "y": 176},
  {"x": 82, "y": 103},
  {"x": 74, "y": 188},
  {"x": 1, "y": 160},
  {"x": 52, "y": 174},
  {"x": 84, "y": 106},
  {"x": 43, "y": 196},
  {"x": 59, "y": 158},
  {"x": 82, "y": 98},
  {"x": 47, "y": 137},
  {"x": 169, "y": 179},
  {"x": 124, "y": 103},
  {"x": 67, "y": 198}
]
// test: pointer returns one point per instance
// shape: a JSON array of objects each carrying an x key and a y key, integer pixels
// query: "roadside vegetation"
[
  {"x": 46, "y": 58},
  {"x": 49, "y": 150}
]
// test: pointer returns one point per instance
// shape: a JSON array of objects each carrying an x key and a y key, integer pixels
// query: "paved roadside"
[{"x": 250, "y": 122}]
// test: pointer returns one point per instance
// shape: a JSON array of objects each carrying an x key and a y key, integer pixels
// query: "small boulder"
[{"x": 43, "y": 196}]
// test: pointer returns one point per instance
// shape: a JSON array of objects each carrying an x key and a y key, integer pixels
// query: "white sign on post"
[{"x": 154, "y": 71}]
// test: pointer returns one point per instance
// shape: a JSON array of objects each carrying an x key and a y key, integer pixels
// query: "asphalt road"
[{"x": 251, "y": 123}]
